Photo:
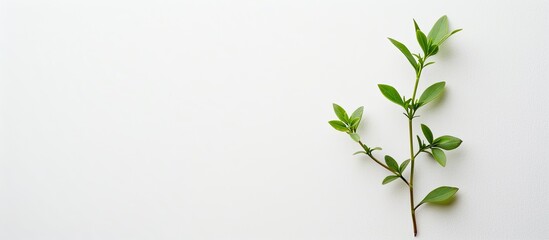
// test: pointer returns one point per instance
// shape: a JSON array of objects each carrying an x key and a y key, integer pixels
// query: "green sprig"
[{"x": 430, "y": 45}]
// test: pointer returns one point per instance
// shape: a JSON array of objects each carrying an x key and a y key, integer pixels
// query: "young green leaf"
[
  {"x": 419, "y": 142},
  {"x": 406, "y": 52},
  {"x": 355, "y": 137},
  {"x": 439, "y": 156},
  {"x": 359, "y": 152},
  {"x": 391, "y": 93},
  {"x": 422, "y": 40},
  {"x": 407, "y": 102},
  {"x": 354, "y": 123},
  {"x": 341, "y": 113},
  {"x": 416, "y": 26},
  {"x": 403, "y": 166},
  {"x": 358, "y": 113},
  {"x": 356, "y": 117},
  {"x": 433, "y": 50},
  {"x": 447, "y": 36},
  {"x": 439, "y": 30},
  {"x": 431, "y": 93},
  {"x": 439, "y": 195},
  {"x": 454, "y": 32},
  {"x": 427, "y": 64},
  {"x": 447, "y": 142},
  {"x": 376, "y": 148},
  {"x": 339, "y": 125},
  {"x": 389, "y": 179},
  {"x": 391, "y": 163},
  {"x": 427, "y": 133}
]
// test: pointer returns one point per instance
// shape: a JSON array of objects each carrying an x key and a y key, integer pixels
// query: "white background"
[{"x": 208, "y": 119}]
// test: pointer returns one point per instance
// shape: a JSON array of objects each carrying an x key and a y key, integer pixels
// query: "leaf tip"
[{"x": 416, "y": 25}]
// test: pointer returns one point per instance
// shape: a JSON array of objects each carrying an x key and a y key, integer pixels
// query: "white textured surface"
[{"x": 208, "y": 119}]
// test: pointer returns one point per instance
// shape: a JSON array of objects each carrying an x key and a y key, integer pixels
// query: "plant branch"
[
  {"x": 382, "y": 164},
  {"x": 418, "y": 205},
  {"x": 418, "y": 152},
  {"x": 348, "y": 123},
  {"x": 398, "y": 174}
]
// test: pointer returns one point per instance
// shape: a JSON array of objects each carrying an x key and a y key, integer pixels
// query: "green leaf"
[
  {"x": 416, "y": 26},
  {"x": 447, "y": 36},
  {"x": 431, "y": 93},
  {"x": 406, "y": 52},
  {"x": 359, "y": 152},
  {"x": 356, "y": 117},
  {"x": 439, "y": 156},
  {"x": 447, "y": 142},
  {"x": 427, "y": 64},
  {"x": 339, "y": 125},
  {"x": 427, "y": 133},
  {"x": 340, "y": 113},
  {"x": 433, "y": 50},
  {"x": 389, "y": 179},
  {"x": 391, "y": 163},
  {"x": 439, "y": 30},
  {"x": 355, "y": 137},
  {"x": 403, "y": 166},
  {"x": 354, "y": 123},
  {"x": 358, "y": 113},
  {"x": 376, "y": 148},
  {"x": 422, "y": 40},
  {"x": 407, "y": 102},
  {"x": 391, "y": 93},
  {"x": 420, "y": 143},
  {"x": 440, "y": 195}
]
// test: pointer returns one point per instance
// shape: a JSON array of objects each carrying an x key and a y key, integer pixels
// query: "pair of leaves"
[
  {"x": 345, "y": 123},
  {"x": 445, "y": 142},
  {"x": 393, "y": 165},
  {"x": 437, "y": 35},
  {"x": 431, "y": 93},
  {"x": 367, "y": 150},
  {"x": 440, "y": 31},
  {"x": 426, "y": 44},
  {"x": 429, "y": 43},
  {"x": 392, "y": 94},
  {"x": 439, "y": 195}
]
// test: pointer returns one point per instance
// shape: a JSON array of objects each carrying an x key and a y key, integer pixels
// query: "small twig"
[{"x": 381, "y": 164}]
